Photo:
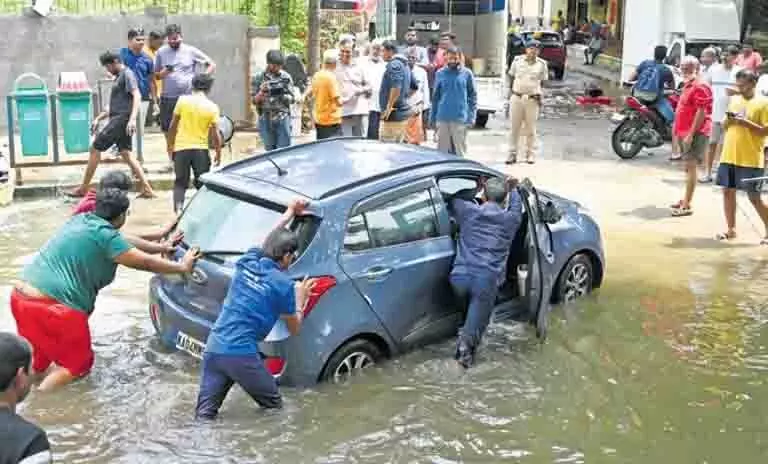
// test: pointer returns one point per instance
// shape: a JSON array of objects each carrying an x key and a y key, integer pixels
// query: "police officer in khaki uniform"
[{"x": 527, "y": 73}]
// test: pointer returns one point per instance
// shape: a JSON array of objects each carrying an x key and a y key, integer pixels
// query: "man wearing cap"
[
  {"x": 273, "y": 96},
  {"x": 327, "y": 95},
  {"x": 527, "y": 72}
]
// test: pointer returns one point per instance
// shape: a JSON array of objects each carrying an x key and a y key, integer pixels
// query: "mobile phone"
[
  {"x": 731, "y": 114},
  {"x": 169, "y": 67}
]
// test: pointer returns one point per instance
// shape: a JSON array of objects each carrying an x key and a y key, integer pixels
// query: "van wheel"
[
  {"x": 350, "y": 359},
  {"x": 575, "y": 280}
]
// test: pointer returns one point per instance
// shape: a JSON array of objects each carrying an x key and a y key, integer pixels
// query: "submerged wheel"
[
  {"x": 350, "y": 359},
  {"x": 575, "y": 280},
  {"x": 622, "y": 136}
]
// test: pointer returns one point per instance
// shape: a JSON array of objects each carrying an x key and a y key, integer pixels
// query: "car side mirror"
[{"x": 550, "y": 213}]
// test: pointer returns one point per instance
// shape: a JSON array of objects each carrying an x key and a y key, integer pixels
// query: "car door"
[
  {"x": 398, "y": 260},
  {"x": 541, "y": 259}
]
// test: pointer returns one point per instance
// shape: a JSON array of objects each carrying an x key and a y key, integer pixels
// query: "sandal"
[
  {"x": 680, "y": 212},
  {"x": 676, "y": 205},
  {"x": 725, "y": 236},
  {"x": 676, "y": 158}
]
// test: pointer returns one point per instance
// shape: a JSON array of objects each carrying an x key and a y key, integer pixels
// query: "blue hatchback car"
[{"x": 380, "y": 241}]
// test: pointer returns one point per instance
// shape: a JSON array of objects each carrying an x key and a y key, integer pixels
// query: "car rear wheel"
[
  {"x": 350, "y": 359},
  {"x": 576, "y": 279}
]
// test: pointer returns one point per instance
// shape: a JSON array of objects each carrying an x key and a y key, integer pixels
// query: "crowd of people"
[
  {"x": 722, "y": 113},
  {"x": 163, "y": 74}
]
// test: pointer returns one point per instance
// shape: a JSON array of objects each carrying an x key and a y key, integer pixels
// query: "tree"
[{"x": 313, "y": 42}]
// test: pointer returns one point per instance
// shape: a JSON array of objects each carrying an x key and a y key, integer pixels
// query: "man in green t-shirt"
[{"x": 57, "y": 291}]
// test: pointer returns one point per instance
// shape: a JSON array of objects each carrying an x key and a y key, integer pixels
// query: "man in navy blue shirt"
[
  {"x": 136, "y": 59},
  {"x": 486, "y": 232},
  {"x": 396, "y": 86},
  {"x": 259, "y": 295},
  {"x": 454, "y": 102}
]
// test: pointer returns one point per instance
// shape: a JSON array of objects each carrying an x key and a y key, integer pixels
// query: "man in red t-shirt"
[{"x": 692, "y": 128}]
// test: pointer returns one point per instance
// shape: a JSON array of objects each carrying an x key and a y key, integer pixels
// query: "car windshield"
[
  {"x": 547, "y": 39},
  {"x": 218, "y": 223}
]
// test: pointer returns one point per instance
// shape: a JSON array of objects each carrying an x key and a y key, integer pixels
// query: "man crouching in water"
[
  {"x": 486, "y": 233},
  {"x": 259, "y": 295},
  {"x": 57, "y": 294}
]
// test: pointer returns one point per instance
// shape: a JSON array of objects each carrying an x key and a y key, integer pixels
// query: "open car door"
[{"x": 540, "y": 260}]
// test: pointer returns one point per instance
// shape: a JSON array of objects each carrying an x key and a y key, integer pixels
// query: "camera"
[{"x": 277, "y": 87}]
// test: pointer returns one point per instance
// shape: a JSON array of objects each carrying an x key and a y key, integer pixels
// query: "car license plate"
[
  {"x": 186, "y": 343},
  {"x": 617, "y": 118}
]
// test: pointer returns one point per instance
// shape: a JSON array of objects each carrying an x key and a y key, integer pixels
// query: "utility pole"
[{"x": 313, "y": 42}]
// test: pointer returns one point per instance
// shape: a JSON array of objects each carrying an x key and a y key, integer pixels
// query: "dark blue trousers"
[
  {"x": 478, "y": 292},
  {"x": 374, "y": 117},
  {"x": 221, "y": 371}
]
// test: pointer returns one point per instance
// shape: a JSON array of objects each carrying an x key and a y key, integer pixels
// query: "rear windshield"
[{"x": 222, "y": 224}]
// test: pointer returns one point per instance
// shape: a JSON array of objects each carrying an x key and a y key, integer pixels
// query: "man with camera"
[{"x": 273, "y": 96}]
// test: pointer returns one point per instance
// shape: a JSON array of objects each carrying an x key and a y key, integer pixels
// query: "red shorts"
[{"x": 57, "y": 333}]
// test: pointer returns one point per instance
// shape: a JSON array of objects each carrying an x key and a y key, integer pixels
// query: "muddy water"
[{"x": 666, "y": 364}]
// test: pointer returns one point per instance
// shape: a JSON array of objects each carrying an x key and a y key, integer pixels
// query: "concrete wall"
[{"x": 54, "y": 44}]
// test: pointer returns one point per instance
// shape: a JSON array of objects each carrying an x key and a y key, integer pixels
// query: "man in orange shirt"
[{"x": 325, "y": 90}]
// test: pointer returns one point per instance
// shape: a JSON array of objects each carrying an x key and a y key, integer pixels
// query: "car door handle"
[{"x": 377, "y": 272}]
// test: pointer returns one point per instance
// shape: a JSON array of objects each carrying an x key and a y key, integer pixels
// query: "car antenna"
[{"x": 280, "y": 171}]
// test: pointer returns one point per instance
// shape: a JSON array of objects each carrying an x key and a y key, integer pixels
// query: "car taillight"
[
  {"x": 274, "y": 365},
  {"x": 322, "y": 285}
]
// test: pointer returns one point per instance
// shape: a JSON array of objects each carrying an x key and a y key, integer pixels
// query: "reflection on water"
[{"x": 665, "y": 370}]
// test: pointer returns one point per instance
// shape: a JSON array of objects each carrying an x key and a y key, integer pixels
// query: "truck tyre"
[{"x": 481, "y": 120}]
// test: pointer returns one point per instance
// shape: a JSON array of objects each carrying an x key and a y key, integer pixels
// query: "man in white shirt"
[
  {"x": 355, "y": 92},
  {"x": 722, "y": 78},
  {"x": 374, "y": 67}
]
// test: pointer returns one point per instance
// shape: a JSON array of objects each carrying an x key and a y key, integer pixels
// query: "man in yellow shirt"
[
  {"x": 746, "y": 126},
  {"x": 195, "y": 122},
  {"x": 325, "y": 90}
]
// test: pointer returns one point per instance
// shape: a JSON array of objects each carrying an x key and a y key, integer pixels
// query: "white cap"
[{"x": 330, "y": 56}]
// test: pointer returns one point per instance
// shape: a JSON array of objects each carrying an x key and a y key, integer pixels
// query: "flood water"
[{"x": 651, "y": 369}]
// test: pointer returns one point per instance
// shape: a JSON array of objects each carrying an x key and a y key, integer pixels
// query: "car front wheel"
[
  {"x": 576, "y": 279},
  {"x": 350, "y": 359}
]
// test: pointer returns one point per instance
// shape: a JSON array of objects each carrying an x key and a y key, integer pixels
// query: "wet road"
[{"x": 667, "y": 363}]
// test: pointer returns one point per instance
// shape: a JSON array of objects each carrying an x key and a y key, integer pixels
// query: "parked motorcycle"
[{"x": 640, "y": 126}]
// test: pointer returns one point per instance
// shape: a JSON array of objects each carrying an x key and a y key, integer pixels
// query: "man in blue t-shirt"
[
  {"x": 259, "y": 295},
  {"x": 666, "y": 80},
  {"x": 143, "y": 67},
  {"x": 396, "y": 86}
]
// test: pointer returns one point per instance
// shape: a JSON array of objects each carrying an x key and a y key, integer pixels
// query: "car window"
[
  {"x": 451, "y": 185},
  {"x": 216, "y": 222},
  {"x": 545, "y": 38},
  {"x": 406, "y": 219}
]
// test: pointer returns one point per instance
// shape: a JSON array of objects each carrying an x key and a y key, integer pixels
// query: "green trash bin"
[
  {"x": 75, "y": 111},
  {"x": 32, "y": 111}
]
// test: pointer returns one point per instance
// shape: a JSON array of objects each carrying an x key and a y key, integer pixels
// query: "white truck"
[
  {"x": 686, "y": 28},
  {"x": 481, "y": 30}
]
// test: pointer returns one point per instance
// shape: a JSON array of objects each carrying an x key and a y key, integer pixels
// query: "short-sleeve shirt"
[
  {"x": 721, "y": 78},
  {"x": 742, "y": 146},
  {"x": 751, "y": 62},
  {"x": 77, "y": 262},
  {"x": 121, "y": 96},
  {"x": 528, "y": 76},
  {"x": 184, "y": 61},
  {"x": 197, "y": 113},
  {"x": 351, "y": 79},
  {"x": 143, "y": 68},
  {"x": 666, "y": 78},
  {"x": 325, "y": 89},
  {"x": 152, "y": 54},
  {"x": 22, "y": 442},
  {"x": 696, "y": 95},
  {"x": 259, "y": 293}
]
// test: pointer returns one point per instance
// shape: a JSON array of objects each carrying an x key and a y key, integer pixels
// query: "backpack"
[{"x": 649, "y": 81}]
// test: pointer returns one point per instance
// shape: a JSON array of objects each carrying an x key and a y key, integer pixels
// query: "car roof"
[{"x": 323, "y": 168}]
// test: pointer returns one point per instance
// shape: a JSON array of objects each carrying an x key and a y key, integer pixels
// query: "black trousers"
[
  {"x": 196, "y": 160},
  {"x": 327, "y": 132}
]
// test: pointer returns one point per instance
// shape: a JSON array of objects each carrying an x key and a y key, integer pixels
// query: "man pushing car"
[{"x": 259, "y": 295}]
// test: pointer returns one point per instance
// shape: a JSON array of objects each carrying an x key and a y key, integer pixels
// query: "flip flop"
[
  {"x": 676, "y": 205},
  {"x": 725, "y": 236},
  {"x": 675, "y": 158},
  {"x": 680, "y": 212}
]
